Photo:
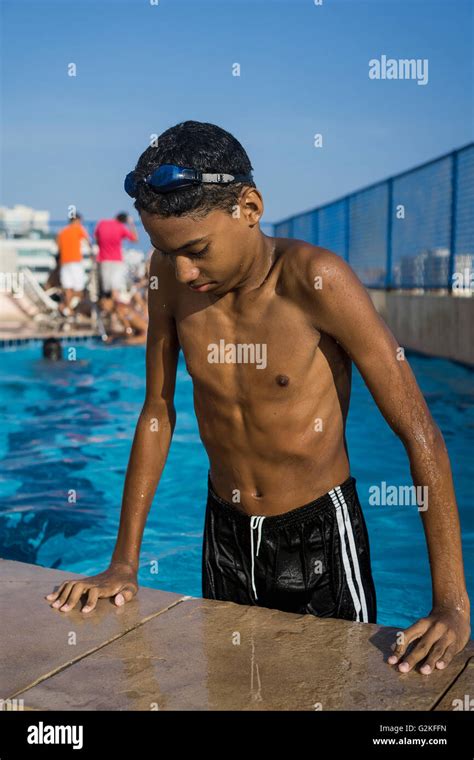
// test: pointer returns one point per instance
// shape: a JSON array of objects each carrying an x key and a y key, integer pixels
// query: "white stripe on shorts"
[
  {"x": 355, "y": 558},
  {"x": 343, "y": 524}
]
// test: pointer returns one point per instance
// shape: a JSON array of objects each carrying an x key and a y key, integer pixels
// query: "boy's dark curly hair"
[{"x": 198, "y": 145}]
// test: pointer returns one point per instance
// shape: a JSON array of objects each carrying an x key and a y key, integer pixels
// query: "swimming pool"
[{"x": 69, "y": 429}]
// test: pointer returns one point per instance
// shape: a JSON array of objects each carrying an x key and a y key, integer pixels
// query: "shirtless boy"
[{"x": 269, "y": 328}]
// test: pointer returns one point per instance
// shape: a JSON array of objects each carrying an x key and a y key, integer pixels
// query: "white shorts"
[
  {"x": 72, "y": 276},
  {"x": 124, "y": 297},
  {"x": 113, "y": 275}
]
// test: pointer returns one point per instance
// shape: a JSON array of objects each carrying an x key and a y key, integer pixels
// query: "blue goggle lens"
[
  {"x": 165, "y": 177},
  {"x": 130, "y": 184},
  {"x": 168, "y": 176}
]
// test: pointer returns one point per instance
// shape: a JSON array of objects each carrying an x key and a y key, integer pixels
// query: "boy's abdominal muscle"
[{"x": 273, "y": 454}]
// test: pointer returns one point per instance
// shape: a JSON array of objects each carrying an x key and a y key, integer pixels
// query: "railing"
[{"x": 412, "y": 230}]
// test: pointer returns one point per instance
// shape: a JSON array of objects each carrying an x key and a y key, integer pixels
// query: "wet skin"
[
  {"x": 272, "y": 426},
  {"x": 275, "y": 435}
]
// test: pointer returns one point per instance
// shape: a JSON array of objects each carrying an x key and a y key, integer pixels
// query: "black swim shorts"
[{"x": 314, "y": 559}]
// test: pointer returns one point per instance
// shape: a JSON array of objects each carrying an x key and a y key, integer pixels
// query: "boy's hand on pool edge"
[
  {"x": 119, "y": 581},
  {"x": 442, "y": 634}
]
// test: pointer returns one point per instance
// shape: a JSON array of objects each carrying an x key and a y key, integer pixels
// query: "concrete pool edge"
[{"x": 182, "y": 653}]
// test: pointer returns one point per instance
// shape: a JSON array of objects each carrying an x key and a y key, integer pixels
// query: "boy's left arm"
[{"x": 343, "y": 309}]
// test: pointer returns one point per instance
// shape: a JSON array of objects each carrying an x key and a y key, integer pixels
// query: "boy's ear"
[{"x": 251, "y": 203}]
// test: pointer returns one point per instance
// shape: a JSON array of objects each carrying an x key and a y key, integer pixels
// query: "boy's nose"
[{"x": 186, "y": 272}]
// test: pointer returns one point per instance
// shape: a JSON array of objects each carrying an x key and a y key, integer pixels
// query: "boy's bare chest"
[{"x": 269, "y": 341}]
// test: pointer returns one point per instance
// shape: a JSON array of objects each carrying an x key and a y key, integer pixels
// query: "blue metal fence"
[{"x": 412, "y": 230}]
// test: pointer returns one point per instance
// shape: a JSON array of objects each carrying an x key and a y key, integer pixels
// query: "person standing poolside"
[
  {"x": 72, "y": 273},
  {"x": 269, "y": 328},
  {"x": 109, "y": 234}
]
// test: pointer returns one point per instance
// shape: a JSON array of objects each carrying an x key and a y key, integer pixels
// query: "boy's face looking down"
[{"x": 224, "y": 248}]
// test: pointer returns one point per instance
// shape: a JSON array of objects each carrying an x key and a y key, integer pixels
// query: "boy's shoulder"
[
  {"x": 307, "y": 268},
  {"x": 301, "y": 251},
  {"x": 162, "y": 285}
]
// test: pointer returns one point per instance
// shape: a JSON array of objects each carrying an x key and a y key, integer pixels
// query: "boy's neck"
[{"x": 260, "y": 265}]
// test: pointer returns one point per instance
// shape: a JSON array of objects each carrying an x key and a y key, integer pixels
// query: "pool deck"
[
  {"x": 17, "y": 327},
  {"x": 165, "y": 651},
  {"x": 28, "y": 332}
]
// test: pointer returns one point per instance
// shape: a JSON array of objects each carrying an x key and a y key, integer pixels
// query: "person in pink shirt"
[{"x": 109, "y": 234}]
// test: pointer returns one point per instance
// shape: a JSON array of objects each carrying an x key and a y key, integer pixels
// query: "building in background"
[
  {"x": 28, "y": 239},
  {"x": 22, "y": 220}
]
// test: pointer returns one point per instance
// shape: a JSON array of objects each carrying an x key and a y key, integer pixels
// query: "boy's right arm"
[
  {"x": 156, "y": 423},
  {"x": 148, "y": 455}
]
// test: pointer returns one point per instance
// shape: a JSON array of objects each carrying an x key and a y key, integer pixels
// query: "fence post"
[
  {"x": 315, "y": 226},
  {"x": 348, "y": 228},
  {"x": 388, "y": 264},
  {"x": 452, "y": 222}
]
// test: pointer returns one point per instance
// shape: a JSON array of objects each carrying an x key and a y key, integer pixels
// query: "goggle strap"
[
  {"x": 191, "y": 175},
  {"x": 222, "y": 178}
]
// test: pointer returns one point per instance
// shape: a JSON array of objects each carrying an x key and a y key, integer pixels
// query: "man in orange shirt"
[{"x": 72, "y": 274}]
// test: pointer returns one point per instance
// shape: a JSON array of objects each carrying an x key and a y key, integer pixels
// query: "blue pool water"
[{"x": 70, "y": 428}]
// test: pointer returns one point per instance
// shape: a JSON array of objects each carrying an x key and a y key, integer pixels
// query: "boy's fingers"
[
  {"x": 409, "y": 634},
  {"x": 420, "y": 651},
  {"x": 74, "y": 595},
  {"x": 125, "y": 594},
  {"x": 436, "y": 653},
  {"x": 54, "y": 594},
  {"x": 69, "y": 593},
  {"x": 91, "y": 601},
  {"x": 63, "y": 595},
  {"x": 447, "y": 656}
]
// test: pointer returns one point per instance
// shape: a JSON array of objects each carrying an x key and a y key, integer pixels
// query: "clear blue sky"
[{"x": 304, "y": 69}]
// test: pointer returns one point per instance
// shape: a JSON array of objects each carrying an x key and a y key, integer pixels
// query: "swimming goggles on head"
[{"x": 169, "y": 177}]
